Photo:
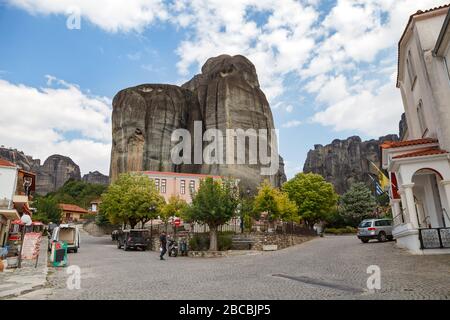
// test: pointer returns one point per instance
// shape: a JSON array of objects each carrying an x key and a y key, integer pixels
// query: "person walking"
[{"x": 163, "y": 242}]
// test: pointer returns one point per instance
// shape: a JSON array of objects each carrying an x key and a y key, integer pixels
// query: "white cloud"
[
  {"x": 41, "y": 121},
  {"x": 110, "y": 15},
  {"x": 292, "y": 124}
]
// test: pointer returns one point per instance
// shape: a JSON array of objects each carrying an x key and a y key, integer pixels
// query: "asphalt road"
[{"x": 324, "y": 268}]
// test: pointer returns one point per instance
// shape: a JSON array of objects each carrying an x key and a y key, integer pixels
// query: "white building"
[
  {"x": 419, "y": 165},
  {"x": 8, "y": 182}
]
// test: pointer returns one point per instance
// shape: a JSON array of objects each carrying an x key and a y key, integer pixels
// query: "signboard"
[
  {"x": 58, "y": 255},
  {"x": 31, "y": 245}
]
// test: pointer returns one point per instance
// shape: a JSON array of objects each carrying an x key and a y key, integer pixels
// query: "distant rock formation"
[
  {"x": 344, "y": 162},
  {"x": 51, "y": 175},
  {"x": 96, "y": 178},
  {"x": 402, "y": 126},
  {"x": 226, "y": 95}
]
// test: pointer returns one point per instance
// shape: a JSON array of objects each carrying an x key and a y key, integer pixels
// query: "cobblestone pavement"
[{"x": 323, "y": 268}]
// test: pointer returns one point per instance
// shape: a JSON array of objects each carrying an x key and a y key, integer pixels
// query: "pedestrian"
[{"x": 163, "y": 242}]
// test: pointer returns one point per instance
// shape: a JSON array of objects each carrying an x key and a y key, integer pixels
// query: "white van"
[{"x": 69, "y": 234}]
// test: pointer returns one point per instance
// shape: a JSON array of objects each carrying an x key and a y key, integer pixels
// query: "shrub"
[
  {"x": 200, "y": 241},
  {"x": 338, "y": 231}
]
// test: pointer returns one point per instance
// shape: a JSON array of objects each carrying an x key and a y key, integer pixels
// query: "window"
[
  {"x": 157, "y": 184},
  {"x": 365, "y": 224},
  {"x": 163, "y": 185},
  {"x": 183, "y": 186},
  {"x": 192, "y": 186},
  {"x": 421, "y": 117},
  {"x": 411, "y": 70}
]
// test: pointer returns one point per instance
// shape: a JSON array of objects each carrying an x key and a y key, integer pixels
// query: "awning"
[{"x": 9, "y": 214}]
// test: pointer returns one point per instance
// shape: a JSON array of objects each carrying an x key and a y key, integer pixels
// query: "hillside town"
[{"x": 201, "y": 203}]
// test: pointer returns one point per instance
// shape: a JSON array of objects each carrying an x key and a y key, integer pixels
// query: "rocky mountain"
[
  {"x": 96, "y": 178},
  {"x": 53, "y": 173},
  {"x": 226, "y": 95},
  {"x": 344, "y": 162}
]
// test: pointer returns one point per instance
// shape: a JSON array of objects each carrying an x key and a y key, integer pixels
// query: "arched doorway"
[{"x": 429, "y": 198}]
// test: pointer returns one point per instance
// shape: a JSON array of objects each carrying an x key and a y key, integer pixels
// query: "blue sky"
[{"x": 328, "y": 67}]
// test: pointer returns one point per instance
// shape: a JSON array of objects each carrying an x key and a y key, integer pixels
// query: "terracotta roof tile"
[
  {"x": 6, "y": 163},
  {"x": 72, "y": 208},
  {"x": 421, "y": 153},
  {"x": 178, "y": 174},
  {"x": 407, "y": 143}
]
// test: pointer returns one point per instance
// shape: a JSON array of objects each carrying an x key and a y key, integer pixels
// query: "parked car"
[
  {"x": 67, "y": 233},
  {"x": 134, "y": 238},
  {"x": 380, "y": 229}
]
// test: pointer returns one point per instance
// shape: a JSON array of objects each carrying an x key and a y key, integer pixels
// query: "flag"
[
  {"x": 382, "y": 179},
  {"x": 378, "y": 190}
]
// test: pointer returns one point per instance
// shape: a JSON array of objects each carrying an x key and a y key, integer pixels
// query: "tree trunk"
[{"x": 212, "y": 238}]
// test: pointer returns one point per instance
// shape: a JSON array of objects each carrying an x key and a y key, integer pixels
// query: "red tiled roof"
[
  {"x": 178, "y": 174},
  {"x": 6, "y": 163},
  {"x": 421, "y": 153},
  {"x": 418, "y": 13},
  {"x": 72, "y": 208},
  {"x": 407, "y": 143}
]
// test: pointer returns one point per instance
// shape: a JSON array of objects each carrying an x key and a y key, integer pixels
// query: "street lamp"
[
  {"x": 152, "y": 209},
  {"x": 242, "y": 211}
]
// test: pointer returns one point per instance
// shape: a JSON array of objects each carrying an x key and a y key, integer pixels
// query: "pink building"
[{"x": 177, "y": 184}]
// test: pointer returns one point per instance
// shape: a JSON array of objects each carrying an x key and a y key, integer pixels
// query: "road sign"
[{"x": 177, "y": 222}]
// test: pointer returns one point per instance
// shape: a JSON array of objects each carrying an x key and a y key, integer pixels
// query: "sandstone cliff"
[
  {"x": 96, "y": 178},
  {"x": 344, "y": 162},
  {"x": 50, "y": 176},
  {"x": 226, "y": 95}
]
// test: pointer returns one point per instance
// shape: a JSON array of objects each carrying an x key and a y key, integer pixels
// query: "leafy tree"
[
  {"x": 214, "y": 204},
  {"x": 357, "y": 204},
  {"x": 275, "y": 203},
  {"x": 175, "y": 207},
  {"x": 47, "y": 210},
  {"x": 129, "y": 200},
  {"x": 79, "y": 193},
  {"x": 315, "y": 198}
]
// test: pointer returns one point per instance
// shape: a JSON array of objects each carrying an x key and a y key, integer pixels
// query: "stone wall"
[
  {"x": 98, "y": 231},
  {"x": 259, "y": 240}
]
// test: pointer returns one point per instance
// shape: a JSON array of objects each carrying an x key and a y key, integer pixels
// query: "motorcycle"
[{"x": 173, "y": 248}]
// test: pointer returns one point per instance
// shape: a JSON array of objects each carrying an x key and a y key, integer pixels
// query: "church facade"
[{"x": 419, "y": 165}]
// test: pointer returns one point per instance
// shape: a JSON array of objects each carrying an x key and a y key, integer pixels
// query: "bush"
[
  {"x": 200, "y": 241},
  {"x": 338, "y": 231}
]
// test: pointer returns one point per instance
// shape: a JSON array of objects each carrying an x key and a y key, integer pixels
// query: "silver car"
[{"x": 380, "y": 229}]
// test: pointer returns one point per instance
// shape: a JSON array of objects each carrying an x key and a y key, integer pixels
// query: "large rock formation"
[
  {"x": 50, "y": 176},
  {"x": 344, "y": 162},
  {"x": 96, "y": 178},
  {"x": 226, "y": 95},
  {"x": 55, "y": 171}
]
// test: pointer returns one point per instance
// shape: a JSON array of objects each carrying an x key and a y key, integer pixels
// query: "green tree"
[
  {"x": 175, "y": 207},
  {"x": 129, "y": 200},
  {"x": 275, "y": 203},
  {"x": 357, "y": 204},
  {"x": 47, "y": 210},
  {"x": 79, "y": 193},
  {"x": 315, "y": 198},
  {"x": 214, "y": 204}
]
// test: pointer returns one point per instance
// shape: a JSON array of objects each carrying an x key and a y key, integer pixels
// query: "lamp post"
[
  {"x": 152, "y": 209},
  {"x": 242, "y": 207}
]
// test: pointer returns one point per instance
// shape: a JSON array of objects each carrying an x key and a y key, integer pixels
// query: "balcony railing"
[{"x": 434, "y": 238}]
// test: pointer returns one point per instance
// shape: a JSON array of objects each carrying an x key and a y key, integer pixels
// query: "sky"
[{"x": 327, "y": 67}]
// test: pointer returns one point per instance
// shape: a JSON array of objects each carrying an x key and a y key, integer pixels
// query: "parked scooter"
[{"x": 173, "y": 248}]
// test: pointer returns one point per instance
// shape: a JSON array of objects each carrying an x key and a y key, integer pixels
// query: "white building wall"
[{"x": 8, "y": 181}]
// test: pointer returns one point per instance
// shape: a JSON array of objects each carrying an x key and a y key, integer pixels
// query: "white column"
[
  {"x": 401, "y": 192},
  {"x": 446, "y": 185},
  {"x": 396, "y": 211},
  {"x": 409, "y": 196}
]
